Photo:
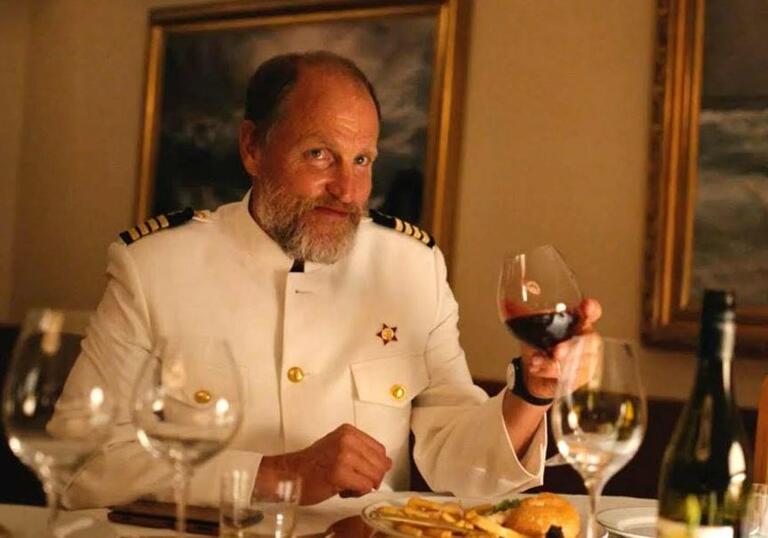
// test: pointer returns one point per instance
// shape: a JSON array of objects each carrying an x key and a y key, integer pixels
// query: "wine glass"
[
  {"x": 599, "y": 413},
  {"x": 182, "y": 423},
  {"x": 755, "y": 522},
  {"x": 54, "y": 422},
  {"x": 538, "y": 297}
]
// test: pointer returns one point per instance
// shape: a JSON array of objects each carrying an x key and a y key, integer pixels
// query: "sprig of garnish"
[{"x": 506, "y": 504}]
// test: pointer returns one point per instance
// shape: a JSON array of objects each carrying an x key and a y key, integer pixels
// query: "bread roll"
[{"x": 535, "y": 515}]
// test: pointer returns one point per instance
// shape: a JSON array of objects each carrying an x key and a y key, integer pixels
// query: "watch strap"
[{"x": 519, "y": 389}]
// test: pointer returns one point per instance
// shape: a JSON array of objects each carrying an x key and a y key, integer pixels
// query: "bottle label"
[{"x": 675, "y": 529}]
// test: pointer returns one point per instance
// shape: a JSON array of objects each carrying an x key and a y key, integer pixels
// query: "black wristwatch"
[{"x": 516, "y": 384}]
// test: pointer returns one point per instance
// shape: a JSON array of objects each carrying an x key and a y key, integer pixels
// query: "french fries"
[{"x": 425, "y": 517}]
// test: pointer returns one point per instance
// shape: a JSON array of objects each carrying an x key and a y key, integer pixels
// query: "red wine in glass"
[
  {"x": 544, "y": 330},
  {"x": 538, "y": 298}
]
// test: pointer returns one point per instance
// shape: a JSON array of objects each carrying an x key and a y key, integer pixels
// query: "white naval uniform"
[{"x": 221, "y": 285}]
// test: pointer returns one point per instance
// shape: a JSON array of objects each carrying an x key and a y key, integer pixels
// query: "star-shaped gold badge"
[{"x": 387, "y": 334}]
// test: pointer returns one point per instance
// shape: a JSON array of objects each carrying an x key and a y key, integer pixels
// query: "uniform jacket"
[{"x": 219, "y": 284}]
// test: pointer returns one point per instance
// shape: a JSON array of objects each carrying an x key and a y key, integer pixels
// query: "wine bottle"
[{"x": 706, "y": 469}]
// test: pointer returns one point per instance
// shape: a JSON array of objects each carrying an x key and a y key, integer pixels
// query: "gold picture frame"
[
  {"x": 436, "y": 169},
  {"x": 670, "y": 311}
]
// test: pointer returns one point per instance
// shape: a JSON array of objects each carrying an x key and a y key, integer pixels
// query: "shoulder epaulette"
[
  {"x": 402, "y": 226},
  {"x": 155, "y": 224}
]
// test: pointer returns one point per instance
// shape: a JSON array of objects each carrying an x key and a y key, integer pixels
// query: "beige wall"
[
  {"x": 555, "y": 151},
  {"x": 79, "y": 156},
  {"x": 14, "y": 32}
]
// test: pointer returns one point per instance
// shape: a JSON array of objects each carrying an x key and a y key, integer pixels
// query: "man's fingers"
[
  {"x": 589, "y": 312},
  {"x": 544, "y": 368},
  {"x": 366, "y": 465},
  {"x": 532, "y": 352},
  {"x": 348, "y": 480},
  {"x": 369, "y": 449},
  {"x": 354, "y": 435}
]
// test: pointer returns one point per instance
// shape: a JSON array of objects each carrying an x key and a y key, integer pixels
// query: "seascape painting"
[
  {"x": 202, "y": 85},
  {"x": 730, "y": 247}
]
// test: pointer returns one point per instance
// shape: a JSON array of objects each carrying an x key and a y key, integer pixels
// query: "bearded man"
[{"x": 344, "y": 328}]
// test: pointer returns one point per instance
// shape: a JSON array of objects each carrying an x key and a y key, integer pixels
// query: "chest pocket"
[
  {"x": 391, "y": 381},
  {"x": 385, "y": 389}
]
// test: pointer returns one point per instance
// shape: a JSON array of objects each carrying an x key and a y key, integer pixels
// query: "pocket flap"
[{"x": 392, "y": 381}]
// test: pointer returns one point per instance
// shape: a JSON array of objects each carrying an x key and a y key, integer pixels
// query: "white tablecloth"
[{"x": 29, "y": 522}]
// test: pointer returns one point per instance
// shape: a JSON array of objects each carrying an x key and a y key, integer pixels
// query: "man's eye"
[
  {"x": 362, "y": 160},
  {"x": 317, "y": 153}
]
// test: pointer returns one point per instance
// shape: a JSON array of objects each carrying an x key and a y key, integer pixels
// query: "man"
[{"x": 344, "y": 329}]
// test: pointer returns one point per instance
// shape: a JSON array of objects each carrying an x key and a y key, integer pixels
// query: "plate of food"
[
  {"x": 545, "y": 515},
  {"x": 637, "y": 522}
]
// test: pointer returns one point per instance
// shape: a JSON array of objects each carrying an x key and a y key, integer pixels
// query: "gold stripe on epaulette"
[
  {"x": 425, "y": 238},
  {"x": 398, "y": 224},
  {"x": 408, "y": 228},
  {"x": 143, "y": 228},
  {"x": 163, "y": 221},
  {"x": 134, "y": 233},
  {"x": 153, "y": 225},
  {"x": 416, "y": 232}
]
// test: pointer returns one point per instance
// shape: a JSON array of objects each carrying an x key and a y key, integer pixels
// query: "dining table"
[{"x": 337, "y": 517}]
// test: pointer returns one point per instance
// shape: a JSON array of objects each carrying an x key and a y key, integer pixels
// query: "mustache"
[{"x": 354, "y": 211}]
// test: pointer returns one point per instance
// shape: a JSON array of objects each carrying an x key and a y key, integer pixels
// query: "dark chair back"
[{"x": 18, "y": 484}]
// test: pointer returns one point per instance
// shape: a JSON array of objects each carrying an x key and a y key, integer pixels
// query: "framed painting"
[
  {"x": 201, "y": 57},
  {"x": 708, "y": 203}
]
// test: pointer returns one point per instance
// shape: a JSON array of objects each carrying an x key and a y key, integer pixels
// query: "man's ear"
[{"x": 250, "y": 148}]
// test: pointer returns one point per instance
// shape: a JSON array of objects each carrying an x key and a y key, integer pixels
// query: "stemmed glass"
[
  {"x": 538, "y": 297},
  {"x": 180, "y": 421},
  {"x": 55, "y": 422},
  {"x": 599, "y": 413}
]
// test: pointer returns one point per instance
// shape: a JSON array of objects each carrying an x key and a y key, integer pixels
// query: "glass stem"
[
  {"x": 181, "y": 477},
  {"x": 594, "y": 487},
  {"x": 52, "y": 498}
]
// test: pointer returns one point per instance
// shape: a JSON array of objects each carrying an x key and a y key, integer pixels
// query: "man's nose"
[{"x": 342, "y": 184}]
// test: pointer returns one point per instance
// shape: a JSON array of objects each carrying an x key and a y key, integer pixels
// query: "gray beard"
[{"x": 287, "y": 219}]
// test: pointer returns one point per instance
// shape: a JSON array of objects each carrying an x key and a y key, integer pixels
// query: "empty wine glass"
[
  {"x": 538, "y": 297},
  {"x": 599, "y": 413},
  {"x": 178, "y": 421},
  {"x": 54, "y": 424}
]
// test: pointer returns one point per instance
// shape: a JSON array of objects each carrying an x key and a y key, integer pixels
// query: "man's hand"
[
  {"x": 346, "y": 460},
  {"x": 540, "y": 371}
]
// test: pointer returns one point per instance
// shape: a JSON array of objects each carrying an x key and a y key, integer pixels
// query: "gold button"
[
  {"x": 397, "y": 392},
  {"x": 295, "y": 374},
  {"x": 202, "y": 396}
]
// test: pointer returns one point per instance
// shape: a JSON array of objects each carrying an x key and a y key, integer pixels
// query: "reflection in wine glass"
[
  {"x": 599, "y": 413},
  {"x": 538, "y": 297},
  {"x": 54, "y": 421},
  {"x": 755, "y": 522},
  {"x": 180, "y": 423}
]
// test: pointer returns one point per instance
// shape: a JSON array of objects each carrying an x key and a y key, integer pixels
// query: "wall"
[
  {"x": 555, "y": 151},
  {"x": 79, "y": 156},
  {"x": 14, "y": 32}
]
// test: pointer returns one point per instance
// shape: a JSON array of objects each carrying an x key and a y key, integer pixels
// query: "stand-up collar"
[{"x": 254, "y": 240}]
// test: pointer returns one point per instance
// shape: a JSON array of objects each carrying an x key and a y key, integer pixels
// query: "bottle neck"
[{"x": 716, "y": 351}]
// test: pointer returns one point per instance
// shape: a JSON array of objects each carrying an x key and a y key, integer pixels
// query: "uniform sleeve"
[
  {"x": 462, "y": 445},
  {"x": 117, "y": 342}
]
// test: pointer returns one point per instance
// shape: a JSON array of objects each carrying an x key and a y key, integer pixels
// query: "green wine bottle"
[{"x": 705, "y": 475}]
